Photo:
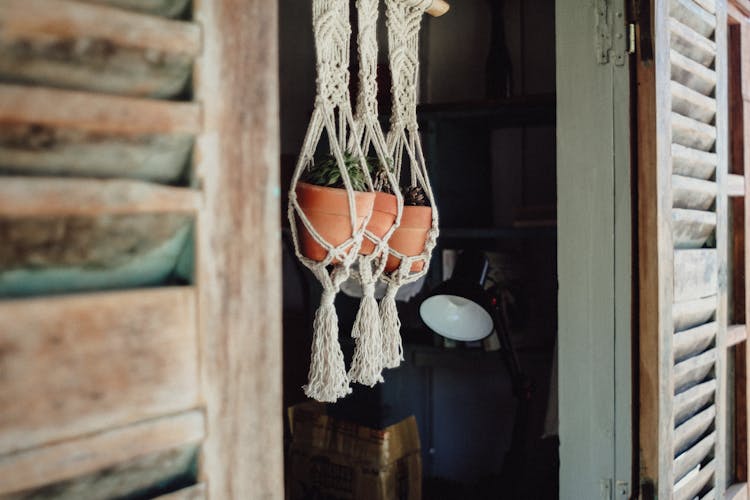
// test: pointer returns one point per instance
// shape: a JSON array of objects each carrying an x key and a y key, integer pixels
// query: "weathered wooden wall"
[
  {"x": 140, "y": 334},
  {"x": 240, "y": 284}
]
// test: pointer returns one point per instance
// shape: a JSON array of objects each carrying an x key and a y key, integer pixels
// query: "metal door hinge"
[
  {"x": 612, "y": 33},
  {"x": 631, "y": 38},
  {"x": 621, "y": 490}
]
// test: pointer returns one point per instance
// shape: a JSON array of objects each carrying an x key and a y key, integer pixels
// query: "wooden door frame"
[
  {"x": 594, "y": 203},
  {"x": 239, "y": 249},
  {"x": 739, "y": 51}
]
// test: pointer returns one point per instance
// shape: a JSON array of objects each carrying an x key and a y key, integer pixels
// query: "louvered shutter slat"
[{"x": 688, "y": 132}]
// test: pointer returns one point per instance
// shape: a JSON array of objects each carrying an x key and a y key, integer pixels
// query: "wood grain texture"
[
  {"x": 693, "y": 133},
  {"x": 690, "y": 14},
  {"x": 691, "y": 43},
  {"x": 690, "y": 193},
  {"x": 134, "y": 477},
  {"x": 693, "y": 313},
  {"x": 735, "y": 185},
  {"x": 693, "y": 341},
  {"x": 693, "y": 370},
  {"x": 688, "y": 102},
  {"x": 739, "y": 111},
  {"x": 696, "y": 274},
  {"x": 735, "y": 335},
  {"x": 66, "y": 19},
  {"x": 686, "y": 434},
  {"x": 695, "y": 484},
  {"x": 692, "y": 228},
  {"x": 692, "y": 74},
  {"x": 686, "y": 461},
  {"x": 197, "y": 492},
  {"x": 722, "y": 248},
  {"x": 81, "y": 363},
  {"x": 694, "y": 399},
  {"x": 48, "y": 196},
  {"x": 98, "y": 113},
  {"x": 32, "y": 149},
  {"x": 239, "y": 250},
  {"x": 168, "y": 8},
  {"x": 655, "y": 253},
  {"x": 67, "y": 459},
  {"x": 736, "y": 492},
  {"x": 693, "y": 163}
]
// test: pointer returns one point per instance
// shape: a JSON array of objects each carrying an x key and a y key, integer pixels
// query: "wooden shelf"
[
  {"x": 517, "y": 111},
  {"x": 421, "y": 355}
]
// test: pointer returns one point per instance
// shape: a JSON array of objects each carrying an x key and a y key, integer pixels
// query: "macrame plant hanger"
[
  {"x": 367, "y": 362},
  {"x": 327, "y": 378},
  {"x": 404, "y": 19}
]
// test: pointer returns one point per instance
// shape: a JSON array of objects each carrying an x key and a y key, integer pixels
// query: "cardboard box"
[{"x": 335, "y": 460}]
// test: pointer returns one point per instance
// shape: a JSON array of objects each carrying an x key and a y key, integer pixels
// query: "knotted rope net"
[
  {"x": 367, "y": 362},
  {"x": 404, "y": 18},
  {"x": 332, "y": 113}
]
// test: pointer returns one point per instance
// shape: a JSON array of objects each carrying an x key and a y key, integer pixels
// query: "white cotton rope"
[
  {"x": 368, "y": 361},
  {"x": 404, "y": 18},
  {"x": 327, "y": 378}
]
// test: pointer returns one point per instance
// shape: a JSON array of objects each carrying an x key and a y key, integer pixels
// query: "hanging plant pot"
[
  {"x": 327, "y": 209},
  {"x": 384, "y": 212},
  {"x": 410, "y": 237}
]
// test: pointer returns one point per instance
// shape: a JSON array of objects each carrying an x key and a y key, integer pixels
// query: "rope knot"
[
  {"x": 368, "y": 289},
  {"x": 327, "y": 298}
]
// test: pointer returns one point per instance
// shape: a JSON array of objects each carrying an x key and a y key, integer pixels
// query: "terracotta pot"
[
  {"x": 384, "y": 212},
  {"x": 327, "y": 209},
  {"x": 410, "y": 237}
]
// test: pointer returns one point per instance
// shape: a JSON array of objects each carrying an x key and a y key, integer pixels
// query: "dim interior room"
[{"x": 487, "y": 118}]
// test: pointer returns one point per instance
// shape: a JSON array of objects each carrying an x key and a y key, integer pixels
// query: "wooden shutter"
[
  {"x": 682, "y": 265},
  {"x": 131, "y": 133}
]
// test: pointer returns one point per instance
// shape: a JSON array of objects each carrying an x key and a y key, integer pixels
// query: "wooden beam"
[
  {"x": 197, "y": 492},
  {"x": 239, "y": 227},
  {"x": 104, "y": 114},
  {"x": 69, "y": 20},
  {"x": 736, "y": 492},
  {"x": 47, "y": 196},
  {"x": 723, "y": 466},
  {"x": 735, "y": 185},
  {"x": 67, "y": 459},
  {"x": 655, "y": 254},
  {"x": 736, "y": 334},
  {"x": 739, "y": 71},
  {"x": 77, "y": 364}
]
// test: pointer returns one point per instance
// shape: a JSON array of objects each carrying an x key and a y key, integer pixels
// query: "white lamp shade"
[{"x": 456, "y": 318}]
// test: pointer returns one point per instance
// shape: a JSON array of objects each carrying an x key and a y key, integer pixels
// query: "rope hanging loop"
[
  {"x": 330, "y": 200},
  {"x": 411, "y": 245},
  {"x": 368, "y": 360}
]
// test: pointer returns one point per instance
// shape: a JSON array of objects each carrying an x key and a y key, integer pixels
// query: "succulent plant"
[
  {"x": 415, "y": 196},
  {"x": 326, "y": 173}
]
